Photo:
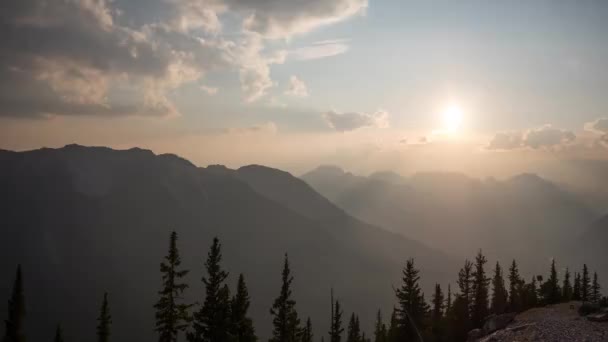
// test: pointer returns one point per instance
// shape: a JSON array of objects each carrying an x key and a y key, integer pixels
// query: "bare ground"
[{"x": 558, "y": 323}]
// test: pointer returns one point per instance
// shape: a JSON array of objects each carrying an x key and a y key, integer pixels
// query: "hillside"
[
  {"x": 84, "y": 220},
  {"x": 525, "y": 215}
]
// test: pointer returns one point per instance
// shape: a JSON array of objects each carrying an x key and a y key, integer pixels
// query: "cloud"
[
  {"x": 598, "y": 126},
  {"x": 267, "y": 128},
  {"x": 546, "y": 136},
  {"x": 277, "y": 19},
  {"x": 351, "y": 121},
  {"x": 296, "y": 87},
  {"x": 320, "y": 49},
  {"x": 209, "y": 90},
  {"x": 506, "y": 141}
]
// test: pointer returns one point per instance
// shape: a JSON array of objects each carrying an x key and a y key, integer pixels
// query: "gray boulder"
[{"x": 497, "y": 322}]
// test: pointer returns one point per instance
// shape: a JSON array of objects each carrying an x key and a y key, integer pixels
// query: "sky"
[{"x": 482, "y": 87}]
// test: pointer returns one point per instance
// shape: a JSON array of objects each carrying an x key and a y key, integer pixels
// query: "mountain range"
[{"x": 84, "y": 220}]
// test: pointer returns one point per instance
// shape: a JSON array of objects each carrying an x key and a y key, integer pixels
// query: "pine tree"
[
  {"x": 286, "y": 322},
  {"x": 576, "y": 291},
  {"x": 437, "y": 314},
  {"x": 550, "y": 289},
  {"x": 242, "y": 325},
  {"x": 480, "y": 290},
  {"x": 458, "y": 321},
  {"x": 335, "y": 330},
  {"x": 515, "y": 288},
  {"x": 529, "y": 295},
  {"x": 465, "y": 283},
  {"x": 380, "y": 331},
  {"x": 307, "y": 335},
  {"x": 354, "y": 331},
  {"x": 171, "y": 313},
  {"x": 16, "y": 311},
  {"x": 58, "y": 334},
  {"x": 567, "y": 287},
  {"x": 412, "y": 311},
  {"x": 585, "y": 285},
  {"x": 448, "y": 304},
  {"x": 499, "y": 292},
  {"x": 105, "y": 321},
  {"x": 596, "y": 296},
  {"x": 210, "y": 323},
  {"x": 393, "y": 330}
]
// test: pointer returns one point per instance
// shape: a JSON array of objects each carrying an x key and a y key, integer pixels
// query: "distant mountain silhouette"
[
  {"x": 524, "y": 216},
  {"x": 84, "y": 220}
]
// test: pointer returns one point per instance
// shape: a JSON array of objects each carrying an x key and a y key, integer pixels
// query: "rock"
[
  {"x": 588, "y": 308},
  {"x": 521, "y": 327},
  {"x": 600, "y": 317},
  {"x": 474, "y": 335},
  {"x": 497, "y": 322}
]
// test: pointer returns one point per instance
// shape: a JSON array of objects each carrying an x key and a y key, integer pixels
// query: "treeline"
[{"x": 223, "y": 317}]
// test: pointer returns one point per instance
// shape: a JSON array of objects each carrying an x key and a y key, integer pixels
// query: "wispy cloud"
[
  {"x": 320, "y": 49},
  {"x": 296, "y": 87}
]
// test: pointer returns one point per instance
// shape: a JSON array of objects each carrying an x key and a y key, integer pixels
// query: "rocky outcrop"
[{"x": 492, "y": 324}]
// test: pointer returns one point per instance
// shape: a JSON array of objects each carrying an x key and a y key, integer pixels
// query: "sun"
[{"x": 451, "y": 119}]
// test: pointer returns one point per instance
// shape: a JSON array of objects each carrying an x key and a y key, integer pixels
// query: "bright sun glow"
[{"x": 452, "y": 119}]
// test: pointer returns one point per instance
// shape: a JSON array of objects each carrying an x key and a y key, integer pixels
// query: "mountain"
[
  {"x": 84, "y": 220},
  {"x": 525, "y": 216}
]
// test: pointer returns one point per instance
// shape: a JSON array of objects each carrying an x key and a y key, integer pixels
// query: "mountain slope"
[
  {"x": 86, "y": 220},
  {"x": 525, "y": 216}
]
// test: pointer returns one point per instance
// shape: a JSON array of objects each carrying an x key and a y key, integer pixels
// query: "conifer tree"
[
  {"x": 437, "y": 314},
  {"x": 576, "y": 290},
  {"x": 499, "y": 292},
  {"x": 448, "y": 304},
  {"x": 211, "y": 323},
  {"x": 380, "y": 331},
  {"x": 16, "y": 311},
  {"x": 393, "y": 330},
  {"x": 412, "y": 310},
  {"x": 596, "y": 296},
  {"x": 567, "y": 287},
  {"x": 550, "y": 289},
  {"x": 458, "y": 321},
  {"x": 585, "y": 285},
  {"x": 335, "y": 329},
  {"x": 354, "y": 331},
  {"x": 241, "y": 323},
  {"x": 286, "y": 324},
  {"x": 307, "y": 335},
  {"x": 480, "y": 290},
  {"x": 465, "y": 283},
  {"x": 58, "y": 334},
  {"x": 171, "y": 312},
  {"x": 530, "y": 295},
  {"x": 105, "y": 321},
  {"x": 515, "y": 288}
]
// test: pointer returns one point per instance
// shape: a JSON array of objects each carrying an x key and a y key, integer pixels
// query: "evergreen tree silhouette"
[
  {"x": 530, "y": 295},
  {"x": 437, "y": 314},
  {"x": 104, "y": 321},
  {"x": 307, "y": 335},
  {"x": 499, "y": 292},
  {"x": 354, "y": 331},
  {"x": 480, "y": 292},
  {"x": 550, "y": 289},
  {"x": 465, "y": 283},
  {"x": 211, "y": 323},
  {"x": 412, "y": 310},
  {"x": 58, "y": 334},
  {"x": 576, "y": 290},
  {"x": 335, "y": 328},
  {"x": 16, "y": 311},
  {"x": 242, "y": 324},
  {"x": 286, "y": 324},
  {"x": 458, "y": 321},
  {"x": 171, "y": 313},
  {"x": 567, "y": 287},
  {"x": 585, "y": 285},
  {"x": 393, "y": 330},
  {"x": 448, "y": 303},
  {"x": 596, "y": 296},
  {"x": 380, "y": 331},
  {"x": 515, "y": 288}
]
